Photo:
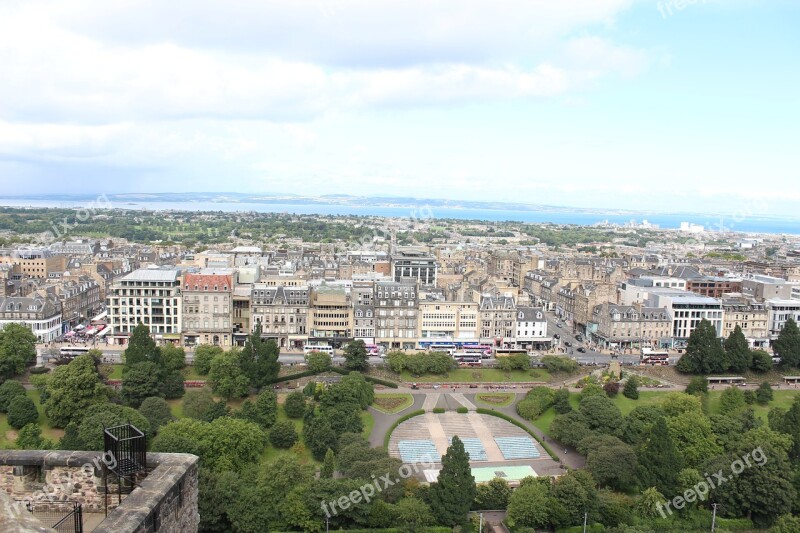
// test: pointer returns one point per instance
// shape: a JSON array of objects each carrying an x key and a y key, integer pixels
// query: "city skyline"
[{"x": 613, "y": 104}]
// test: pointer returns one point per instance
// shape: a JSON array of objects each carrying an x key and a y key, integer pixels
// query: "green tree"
[
  {"x": 258, "y": 359},
  {"x": 172, "y": 384},
  {"x": 197, "y": 402},
  {"x": 97, "y": 417},
  {"x": 224, "y": 444},
  {"x": 454, "y": 489},
  {"x": 173, "y": 357},
  {"x": 570, "y": 429},
  {"x": 697, "y": 385},
  {"x": 30, "y": 438},
  {"x": 762, "y": 361},
  {"x": 283, "y": 434},
  {"x": 17, "y": 350},
  {"x": 638, "y": 423},
  {"x": 72, "y": 389},
  {"x": 413, "y": 514},
  {"x": 352, "y": 388},
  {"x": 139, "y": 382},
  {"x": 704, "y": 353},
  {"x": 731, "y": 400},
  {"x": 601, "y": 414},
  {"x": 21, "y": 412},
  {"x": 787, "y": 345},
  {"x": 318, "y": 361},
  {"x": 614, "y": 466},
  {"x": 738, "y": 351},
  {"x": 141, "y": 348},
  {"x": 219, "y": 492},
  {"x": 676, "y": 403},
  {"x": 561, "y": 403},
  {"x": 264, "y": 411},
  {"x": 227, "y": 377},
  {"x": 356, "y": 356},
  {"x": 764, "y": 393},
  {"x": 786, "y": 524},
  {"x": 659, "y": 460},
  {"x": 575, "y": 494},
  {"x": 693, "y": 436},
  {"x": 328, "y": 465},
  {"x": 764, "y": 490},
  {"x": 8, "y": 391},
  {"x": 492, "y": 495},
  {"x": 631, "y": 389},
  {"x": 157, "y": 412},
  {"x": 203, "y": 355},
  {"x": 649, "y": 503},
  {"x": 529, "y": 507},
  {"x": 318, "y": 435},
  {"x": 345, "y": 417},
  {"x": 295, "y": 405}
]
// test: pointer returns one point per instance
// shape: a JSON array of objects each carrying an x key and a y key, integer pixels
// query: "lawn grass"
[
  {"x": 480, "y": 375},
  {"x": 501, "y": 399},
  {"x": 48, "y": 431},
  {"x": 116, "y": 371},
  {"x": 190, "y": 374},
  {"x": 396, "y": 402}
]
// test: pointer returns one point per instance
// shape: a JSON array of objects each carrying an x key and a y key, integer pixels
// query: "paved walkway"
[
  {"x": 460, "y": 398},
  {"x": 438, "y": 435},
  {"x": 493, "y": 452},
  {"x": 430, "y": 401}
]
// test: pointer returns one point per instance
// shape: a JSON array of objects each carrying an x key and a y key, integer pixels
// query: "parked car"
[
  {"x": 556, "y": 336},
  {"x": 567, "y": 344},
  {"x": 582, "y": 349}
]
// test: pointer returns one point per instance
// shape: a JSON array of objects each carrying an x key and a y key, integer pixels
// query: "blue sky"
[{"x": 670, "y": 105}]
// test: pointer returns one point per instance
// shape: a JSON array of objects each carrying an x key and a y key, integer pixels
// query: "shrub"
[
  {"x": 295, "y": 405},
  {"x": 764, "y": 393},
  {"x": 156, "y": 410},
  {"x": 39, "y": 370},
  {"x": 611, "y": 388},
  {"x": 283, "y": 434},
  {"x": 698, "y": 384},
  {"x": 536, "y": 402},
  {"x": 631, "y": 389},
  {"x": 8, "y": 391},
  {"x": 462, "y": 410},
  {"x": 21, "y": 412},
  {"x": 438, "y": 410},
  {"x": 556, "y": 364}
]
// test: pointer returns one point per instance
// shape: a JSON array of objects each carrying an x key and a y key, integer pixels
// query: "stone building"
[
  {"x": 148, "y": 296},
  {"x": 396, "y": 314},
  {"x": 498, "y": 319},
  {"x": 282, "y": 313},
  {"x": 208, "y": 309}
]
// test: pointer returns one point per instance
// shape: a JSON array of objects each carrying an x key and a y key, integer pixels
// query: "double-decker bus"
[
  {"x": 470, "y": 361},
  {"x": 484, "y": 350},
  {"x": 655, "y": 358},
  {"x": 324, "y": 348},
  {"x": 374, "y": 349},
  {"x": 70, "y": 352},
  {"x": 449, "y": 348},
  {"x": 502, "y": 352}
]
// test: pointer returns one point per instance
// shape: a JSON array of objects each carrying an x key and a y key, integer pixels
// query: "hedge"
[
  {"x": 522, "y": 426},
  {"x": 591, "y": 528},
  {"x": 462, "y": 410},
  {"x": 376, "y": 381},
  {"x": 290, "y": 377},
  {"x": 438, "y": 410},
  {"x": 397, "y": 422}
]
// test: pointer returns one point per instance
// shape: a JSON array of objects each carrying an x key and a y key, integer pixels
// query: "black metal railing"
[
  {"x": 64, "y": 517},
  {"x": 127, "y": 447}
]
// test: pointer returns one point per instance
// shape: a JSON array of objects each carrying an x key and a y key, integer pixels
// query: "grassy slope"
[{"x": 480, "y": 375}]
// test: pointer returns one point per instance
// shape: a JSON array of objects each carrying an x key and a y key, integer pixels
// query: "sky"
[{"x": 671, "y": 105}]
